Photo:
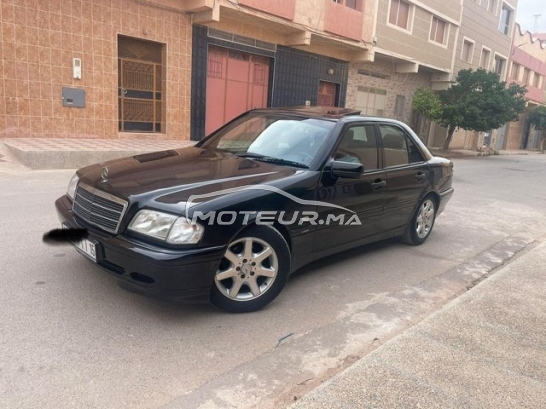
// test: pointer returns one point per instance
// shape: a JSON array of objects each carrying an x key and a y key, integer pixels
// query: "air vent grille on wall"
[
  {"x": 374, "y": 74},
  {"x": 235, "y": 38}
]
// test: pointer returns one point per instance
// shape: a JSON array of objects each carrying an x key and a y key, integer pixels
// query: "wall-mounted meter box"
[
  {"x": 77, "y": 68},
  {"x": 73, "y": 97}
]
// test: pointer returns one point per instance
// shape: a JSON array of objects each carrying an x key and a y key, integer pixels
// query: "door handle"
[
  {"x": 420, "y": 176},
  {"x": 378, "y": 184}
]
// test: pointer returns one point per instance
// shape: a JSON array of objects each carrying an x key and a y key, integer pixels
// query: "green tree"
[
  {"x": 427, "y": 103},
  {"x": 537, "y": 118},
  {"x": 479, "y": 101},
  {"x": 426, "y": 108}
]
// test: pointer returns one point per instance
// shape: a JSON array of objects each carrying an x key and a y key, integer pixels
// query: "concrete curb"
[
  {"x": 480, "y": 350},
  {"x": 44, "y": 154},
  {"x": 46, "y": 160}
]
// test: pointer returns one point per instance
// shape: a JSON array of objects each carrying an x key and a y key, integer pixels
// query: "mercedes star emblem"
[{"x": 104, "y": 174}]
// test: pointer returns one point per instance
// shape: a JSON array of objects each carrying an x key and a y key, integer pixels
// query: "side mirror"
[{"x": 346, "y": 169}]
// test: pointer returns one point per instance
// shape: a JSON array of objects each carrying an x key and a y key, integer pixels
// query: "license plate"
[{"x": 86, "y": 247}]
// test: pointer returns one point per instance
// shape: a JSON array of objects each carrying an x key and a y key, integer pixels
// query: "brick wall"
[
  {"x": 395, "y": 84},
  {"x": 39, "y": 39}
]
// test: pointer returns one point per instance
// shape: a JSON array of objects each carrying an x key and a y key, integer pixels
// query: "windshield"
[{"x": 274, "y": 137}]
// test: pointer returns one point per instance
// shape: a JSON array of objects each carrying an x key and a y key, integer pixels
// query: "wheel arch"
[
  {"x": 434, "y": 195},
  {"x": 276, "y": 226}
]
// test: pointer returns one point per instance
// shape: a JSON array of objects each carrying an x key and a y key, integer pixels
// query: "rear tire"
[
  {"x": 421, "y": 223},
  {"x": 253, "y": 271}
]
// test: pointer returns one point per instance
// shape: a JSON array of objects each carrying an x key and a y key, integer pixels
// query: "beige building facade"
[
  {"x": 178, "y": 69},
  {"x": 414, "y": 44},
  {"x": 484, "y": 41}
]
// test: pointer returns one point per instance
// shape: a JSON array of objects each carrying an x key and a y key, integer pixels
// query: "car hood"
[{"x": 174, "y": 175}]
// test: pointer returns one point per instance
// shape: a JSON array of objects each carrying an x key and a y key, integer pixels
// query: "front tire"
[
  {"x": 252, "y": 272},
  {"x": 422, "y": 222}
]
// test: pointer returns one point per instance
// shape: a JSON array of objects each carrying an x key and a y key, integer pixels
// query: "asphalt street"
[{"x": 71, "y": 338}]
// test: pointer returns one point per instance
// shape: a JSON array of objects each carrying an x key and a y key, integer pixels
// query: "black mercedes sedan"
[{"x": 228, "y": 220}]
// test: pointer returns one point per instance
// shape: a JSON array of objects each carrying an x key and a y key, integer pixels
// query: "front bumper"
[{"x": 184, "y": 275}]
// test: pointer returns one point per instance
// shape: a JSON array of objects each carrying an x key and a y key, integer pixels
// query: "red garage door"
[{"x": 236, "y": 82}]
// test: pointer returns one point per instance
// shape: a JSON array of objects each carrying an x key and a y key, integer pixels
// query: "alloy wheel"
[
  {"x": 248, "y": 269},
  {"x": 425, "y": 219}
]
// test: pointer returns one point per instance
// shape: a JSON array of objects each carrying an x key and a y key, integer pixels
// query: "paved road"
[{"x": 71, "y": 338}]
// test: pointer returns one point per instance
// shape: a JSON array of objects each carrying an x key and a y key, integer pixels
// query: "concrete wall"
[
  {"x": 414, "y": 43},
  {"x": 514, "y": 133},
  {"x": 38, "y": 41}
]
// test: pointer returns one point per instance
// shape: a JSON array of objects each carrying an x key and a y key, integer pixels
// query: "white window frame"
[
  {"x": 503, "y": 73},
  {"x": 488, "y": 65},
  {"x": 446, "y": 32},
  {"x": 495, "y": 7},
  {"x": 472, "y": 49},
  {"x": 510, "y": 21},
  {"x": 411, "y": 17}
]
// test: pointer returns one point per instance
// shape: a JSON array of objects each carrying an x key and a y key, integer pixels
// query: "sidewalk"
[
  {"x": 462, "y": 153},
  {"x": 59, "y": 153},
  {"x": 485, "y": 349}
]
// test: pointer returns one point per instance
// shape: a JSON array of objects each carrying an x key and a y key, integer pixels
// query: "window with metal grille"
[
  {"x": 141, "y": 92},
  {"x": 222, "y": 35},
  {"x": 373, "y": 74}
]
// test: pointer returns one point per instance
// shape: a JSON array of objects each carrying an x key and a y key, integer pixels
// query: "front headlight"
[
  {"x": 72, "y": 185},
  {"x": 185, "y": 232},
  {"x": 166, "y": 227}
]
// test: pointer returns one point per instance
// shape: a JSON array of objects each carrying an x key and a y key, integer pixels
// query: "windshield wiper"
[
  {"x": 249, "y": 155},
  {"x": 271, "y": 159}
]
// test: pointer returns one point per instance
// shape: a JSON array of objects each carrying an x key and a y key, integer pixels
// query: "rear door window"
[{"x": 398, "y": 148}]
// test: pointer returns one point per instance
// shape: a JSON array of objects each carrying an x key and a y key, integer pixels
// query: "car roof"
[{"x": 336, "y": 114}]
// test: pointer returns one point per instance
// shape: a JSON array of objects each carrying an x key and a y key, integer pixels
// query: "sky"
[{"x": 525, "y": 15}]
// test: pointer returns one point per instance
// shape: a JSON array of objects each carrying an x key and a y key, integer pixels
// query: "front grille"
[{"x": 99, "y": 208}]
